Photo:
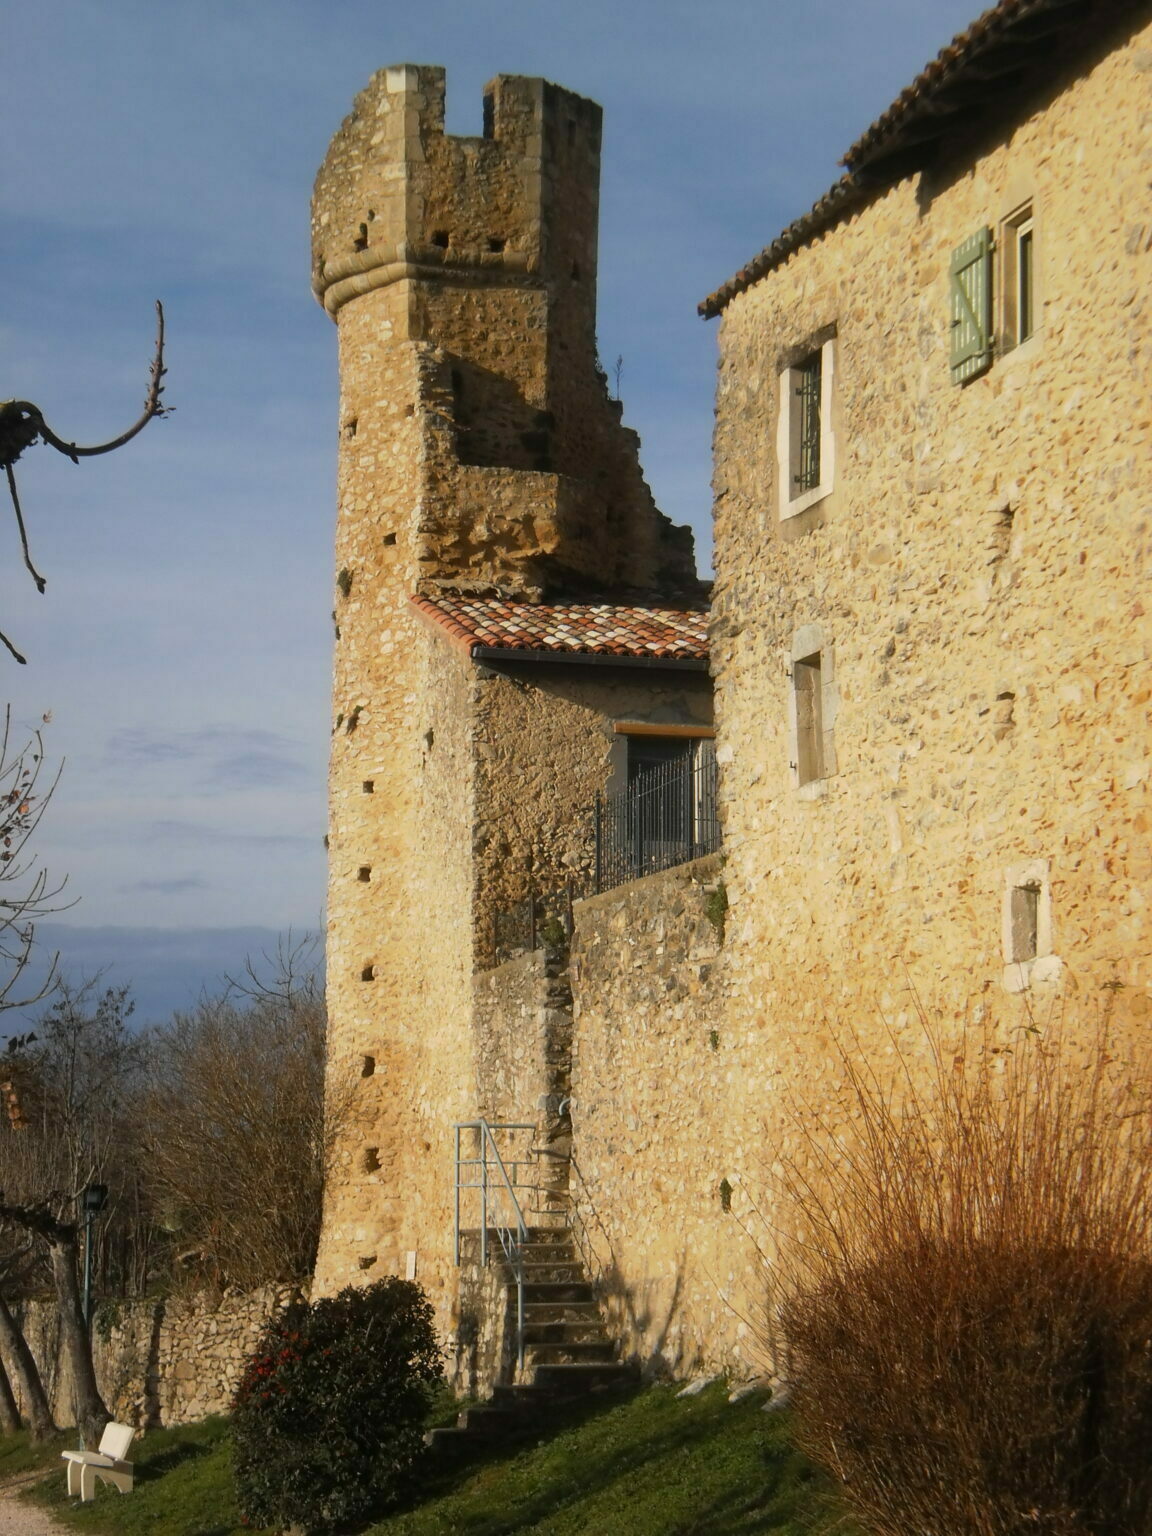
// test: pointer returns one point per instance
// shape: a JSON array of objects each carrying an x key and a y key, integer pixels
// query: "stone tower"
[{"x": 479, "y": 454}]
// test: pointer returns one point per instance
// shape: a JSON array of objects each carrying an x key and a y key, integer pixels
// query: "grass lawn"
[{"x": 649, "y": 1466}]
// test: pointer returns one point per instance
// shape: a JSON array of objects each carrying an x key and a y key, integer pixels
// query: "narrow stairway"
[{"x": 568, "y": 1354}]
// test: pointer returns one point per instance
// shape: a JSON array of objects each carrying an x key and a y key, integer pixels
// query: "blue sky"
[{"x": 164, "y": 151}]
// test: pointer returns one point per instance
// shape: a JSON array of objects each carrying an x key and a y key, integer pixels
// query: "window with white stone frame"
[
  {"x": 806, "y": 441},
  {"x": 812, "y": 704},
  {"x": 1026, "y": 926}
]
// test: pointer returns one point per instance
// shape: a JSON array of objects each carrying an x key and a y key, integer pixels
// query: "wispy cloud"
[
  {"x": 169, "y": 887},
  {"x": 215, "y": 756}
]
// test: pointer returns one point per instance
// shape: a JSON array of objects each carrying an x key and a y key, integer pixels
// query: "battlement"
[{"x": 399, "y": 198}]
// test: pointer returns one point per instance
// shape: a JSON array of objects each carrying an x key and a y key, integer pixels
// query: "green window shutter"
[{"x": 970, "y": 281}]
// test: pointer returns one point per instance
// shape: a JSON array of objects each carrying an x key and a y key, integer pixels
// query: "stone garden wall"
[{"x": 158, "y": 1362}]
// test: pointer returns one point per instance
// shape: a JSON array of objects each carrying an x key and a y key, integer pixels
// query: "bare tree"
[
  {"x": 237, "y": 1144},
  {"x": 75, "y": 1083},
  {"x": 22, "y": 424}
]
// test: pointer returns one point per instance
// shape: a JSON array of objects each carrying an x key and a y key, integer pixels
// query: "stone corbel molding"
[{"x": 335, "y": 283}]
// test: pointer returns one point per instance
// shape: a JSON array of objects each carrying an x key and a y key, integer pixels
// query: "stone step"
[
  {"x": 567, "y": 1381},
  {"x": 561, "y": 1273},
  {"x": 569, "y": 1352},
  {"x": 488, "y": 1420},
  {"x": 548, "y": 1253},
  {"x": 555, "y": 1291},
  {"x": 579, "y": 1314},
  {"x": 589, "y": 1331},
  {"x": 552, "y": 1235}
]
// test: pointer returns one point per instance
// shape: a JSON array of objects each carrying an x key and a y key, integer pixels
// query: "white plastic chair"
[{"x": 108, "y": 1463}]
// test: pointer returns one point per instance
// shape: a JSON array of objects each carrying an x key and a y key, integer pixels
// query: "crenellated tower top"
[{"x": 479, "y": 253}]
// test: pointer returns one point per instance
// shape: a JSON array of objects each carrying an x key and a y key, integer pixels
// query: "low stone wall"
[
  {"x": 158, "y": 1362},
  {"x": 651, "y": 1082}
]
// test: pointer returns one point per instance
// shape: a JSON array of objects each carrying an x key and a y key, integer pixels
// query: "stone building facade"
[{"x": 929, "y": 640}]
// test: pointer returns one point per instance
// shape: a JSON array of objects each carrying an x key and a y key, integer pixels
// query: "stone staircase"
[{"x": 568, "y": 1355}]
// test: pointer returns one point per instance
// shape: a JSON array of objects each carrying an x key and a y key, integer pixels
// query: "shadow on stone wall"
[{"x": 639, "y": 1318}]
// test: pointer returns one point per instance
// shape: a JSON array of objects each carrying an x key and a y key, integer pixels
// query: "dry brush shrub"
[
  {"x": 236, "y": 1136},
  {"x": 967, "y": 1320}
]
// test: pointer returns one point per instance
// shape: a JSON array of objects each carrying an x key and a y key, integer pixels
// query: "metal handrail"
[{"x": 511, "y": 1234}]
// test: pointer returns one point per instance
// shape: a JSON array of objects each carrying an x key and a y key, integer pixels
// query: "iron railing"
[
  {"x": 666, "y": 816},
  {"x": 496, "y": 1181}
]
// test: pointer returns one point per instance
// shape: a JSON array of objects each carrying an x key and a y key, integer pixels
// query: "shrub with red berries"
[{"x": 328, "y": 1419}]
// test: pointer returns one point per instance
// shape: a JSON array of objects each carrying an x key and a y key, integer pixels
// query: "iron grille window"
[
  {"x": 665, "y": 817},
  {"x": 807, "y": 374}
]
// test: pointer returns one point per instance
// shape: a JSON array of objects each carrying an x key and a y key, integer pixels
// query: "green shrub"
[
  {"x": 970, "y": 1335},
  {"x": 329, "y": 1415}
]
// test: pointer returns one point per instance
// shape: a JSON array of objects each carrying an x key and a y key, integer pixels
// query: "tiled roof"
[
  {"x": 981, "y": 65},
  {"x": 483, "y": 624}
]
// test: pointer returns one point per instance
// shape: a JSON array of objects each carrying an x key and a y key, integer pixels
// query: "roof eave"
[{"x": 506, "y": 654}]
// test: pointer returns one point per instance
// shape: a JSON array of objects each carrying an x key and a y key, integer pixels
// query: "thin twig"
[
  {"x": 152, "y": 406},
  {"x": 36, "y": 576}
]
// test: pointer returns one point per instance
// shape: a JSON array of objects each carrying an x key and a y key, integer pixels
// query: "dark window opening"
[
  {"x": 364, "y": 872},
  {"x": 496, "y": 244},
  {"x": 440, "y": 239},
  {"x": 368, "y": 1066},
  {"x": 807, "y": 377},
  {"x": 369, "y": 786}
]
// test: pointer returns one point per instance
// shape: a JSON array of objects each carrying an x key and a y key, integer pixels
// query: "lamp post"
[{"x": 92, "y": 1202}]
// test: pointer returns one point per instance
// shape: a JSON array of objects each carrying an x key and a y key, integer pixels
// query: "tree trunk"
[
  {"x": 91, "y": 1413},
  {"x": 20, "y": 1362},
  {"x": 9, "y": 1413}
]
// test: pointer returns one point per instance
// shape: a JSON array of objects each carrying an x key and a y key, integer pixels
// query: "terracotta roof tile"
[{"x": 592, "y": 629}]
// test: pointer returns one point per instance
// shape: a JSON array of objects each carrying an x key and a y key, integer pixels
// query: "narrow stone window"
[
  {"x": 1025, "y": 919},
  {"x": 805, "y": 444},
  {"x": 369, "y": 786},
  {"x": 371, "y": 1160},
  {"x": 804, "y": 452},
  {"x": 1027, "y": 927},
  {"x": 496, "y": 244},
  {"x": 389, "y": 538},
  {"x": 725, "y": 1195},
  {"x": 440, "y": 239},
  {"x": 812, "y": 709},
  {"x": 368, "y": 973},
  {"x": 364, "y": 872},
  {"x": 367, "y": 1066},
  {"x": 1018, "y": 278},
  {"x": 806, "y": 688}
]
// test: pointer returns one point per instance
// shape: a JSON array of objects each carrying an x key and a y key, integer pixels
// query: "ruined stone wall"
[
  {"x": 545, "y": 746},
  {"x": 977, "y": 585},
  {"x": 486, "y": 247},
  {"x": 161, "y": 1362},
  {"x": 658, "y": 1120}
]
